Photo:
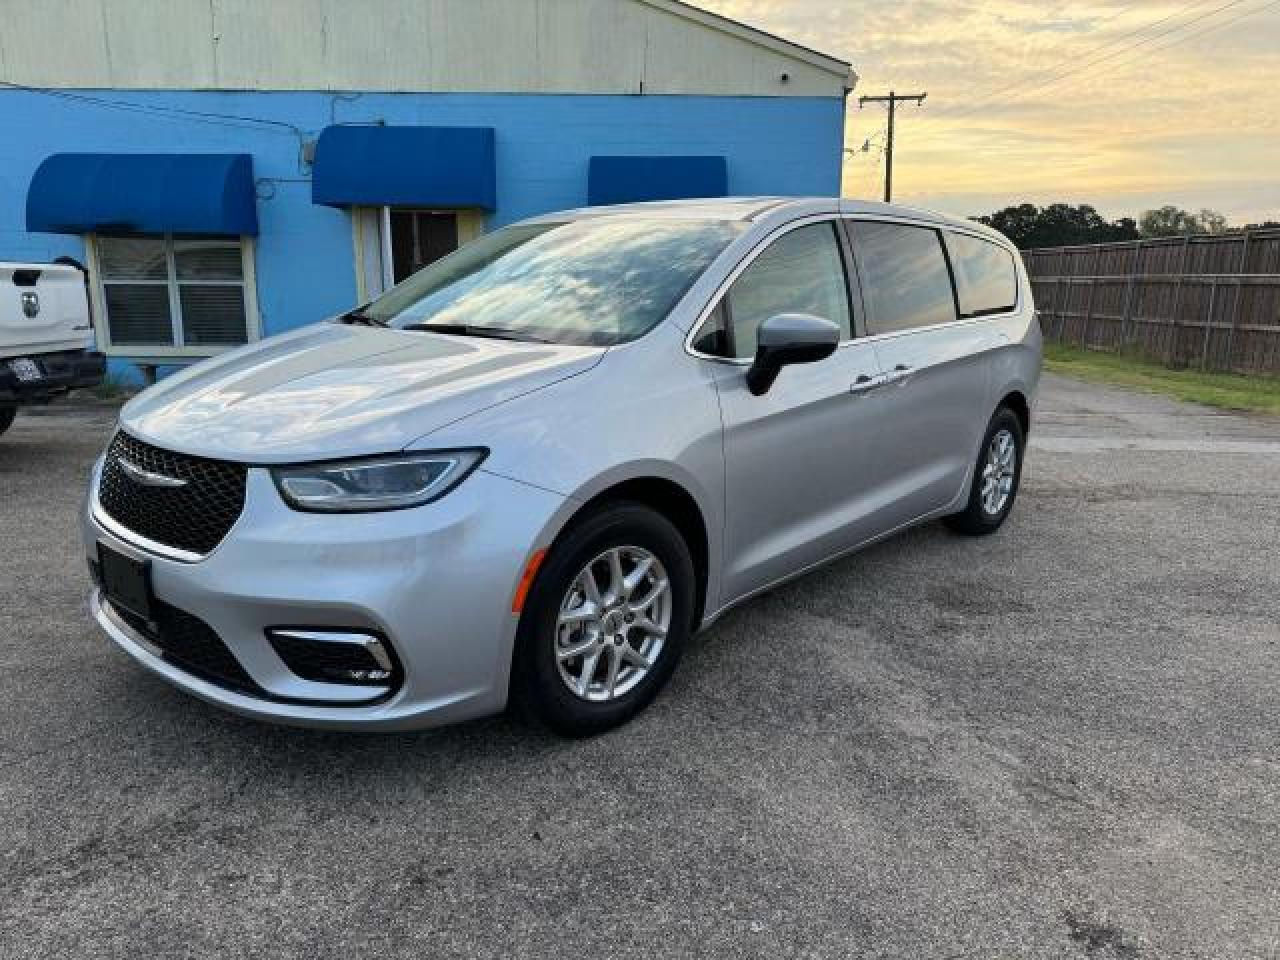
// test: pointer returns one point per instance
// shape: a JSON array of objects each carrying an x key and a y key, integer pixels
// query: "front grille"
[
  {"x": 190, "y": 643},
  {"x": 193, "y": 517}
]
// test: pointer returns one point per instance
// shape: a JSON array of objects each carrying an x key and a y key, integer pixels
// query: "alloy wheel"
[
  {"x": 998, "y": 472},
  {"x": 613, "y": 623}
]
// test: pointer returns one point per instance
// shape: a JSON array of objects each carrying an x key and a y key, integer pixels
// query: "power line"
[
  {"x": 167, "y": 112},
  {"x": 1212, "y": 27},
  {"x": 990, "y": 95},
  {"x": 1209, "y": 28},
  {"x": 875, "y": 169},
  {"x": 867, "y": 143},
  {"x": 971, "y": 108},
  {"x": 876, "y": 156}
]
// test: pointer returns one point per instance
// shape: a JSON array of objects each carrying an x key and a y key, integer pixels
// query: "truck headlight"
[{"x": 376, "y": 483}]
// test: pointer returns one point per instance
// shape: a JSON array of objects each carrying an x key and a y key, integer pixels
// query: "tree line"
[{"x": 1064, "y": 224}]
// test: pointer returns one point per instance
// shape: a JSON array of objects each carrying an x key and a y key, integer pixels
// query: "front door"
[
  {"x": 393, "y": 243},
  {"x": 419, "y": 238},
  {"x": 798, "y": 458}
]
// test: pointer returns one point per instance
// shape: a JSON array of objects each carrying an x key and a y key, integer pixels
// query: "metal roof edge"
[{"x": 743, "y": 31}]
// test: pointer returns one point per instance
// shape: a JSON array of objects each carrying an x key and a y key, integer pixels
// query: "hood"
[{"x": 330, "y": 391}]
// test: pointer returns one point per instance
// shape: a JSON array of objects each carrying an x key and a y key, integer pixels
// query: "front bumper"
[
  {"x": 59, "y": 372},
  {"x": 437, "y": 581}
]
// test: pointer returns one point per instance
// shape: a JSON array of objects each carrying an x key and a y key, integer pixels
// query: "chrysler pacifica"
[{"x": 528, "y": 473}]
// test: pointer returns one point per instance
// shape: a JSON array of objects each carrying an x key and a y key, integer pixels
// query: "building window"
[
  {"x": 419, "y": 238},
  {"x": 174, "y": 294}
]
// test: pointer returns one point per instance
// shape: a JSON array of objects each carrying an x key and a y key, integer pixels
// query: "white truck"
[{"x": 46, "y": 335}]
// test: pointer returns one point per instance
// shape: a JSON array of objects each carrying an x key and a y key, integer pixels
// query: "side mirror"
[{"x": 789, "y": 338}]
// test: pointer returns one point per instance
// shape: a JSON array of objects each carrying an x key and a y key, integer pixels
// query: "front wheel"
[
  {"x": 996, "y": 477},
  {"x": 7, "y": 413},
  {"x": 605, "y": 622}
]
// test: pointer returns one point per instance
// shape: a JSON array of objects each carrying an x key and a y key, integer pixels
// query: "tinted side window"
[
  {"x": 800, "y": 272},
  {"x": 986, "y": 281},
  {"x": 905, "y": 281}
]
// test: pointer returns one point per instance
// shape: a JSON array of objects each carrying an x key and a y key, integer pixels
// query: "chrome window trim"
[
  {"x": 948, "y": 325},
  {"x": 749, "y": 257}
]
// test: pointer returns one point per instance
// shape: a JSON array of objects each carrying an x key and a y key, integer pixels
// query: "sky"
[{"x": 1122, "y": 105}]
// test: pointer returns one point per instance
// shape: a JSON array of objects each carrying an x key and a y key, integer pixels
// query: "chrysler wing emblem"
[
  {"x": 147, "y": 478},
  {"x": 30, "y": 305}
]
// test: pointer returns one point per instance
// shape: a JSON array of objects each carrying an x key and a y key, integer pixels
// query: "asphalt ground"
[{"x": 1060, "y": 741}]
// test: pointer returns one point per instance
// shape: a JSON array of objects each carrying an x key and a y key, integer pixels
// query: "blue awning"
[
  {"x": 630, "y": 179},
  {"x": 405, "y": 166},
  {"x": 143, "y": 193}
]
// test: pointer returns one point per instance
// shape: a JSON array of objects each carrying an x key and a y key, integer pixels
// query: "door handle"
[
  {"x": 866, "y": 383},
  {"x": 898, "y": 374}
]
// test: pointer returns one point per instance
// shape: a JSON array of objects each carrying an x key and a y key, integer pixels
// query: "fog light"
[{"x": 333, "y": 656}]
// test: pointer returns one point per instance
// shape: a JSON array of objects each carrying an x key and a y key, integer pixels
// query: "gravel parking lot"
[{"x": 1062, "y": 741}]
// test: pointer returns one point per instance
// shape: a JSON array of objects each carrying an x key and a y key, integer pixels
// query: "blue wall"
[{"x": 305, "y": 262}]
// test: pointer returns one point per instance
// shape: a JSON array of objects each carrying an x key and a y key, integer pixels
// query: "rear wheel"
[
  {"x": 605, "y": 622},
  {"x": 996, "y": 477},
  {"x": 7, "y": 413}
]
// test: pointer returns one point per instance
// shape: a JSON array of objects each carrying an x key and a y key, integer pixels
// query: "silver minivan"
[{"x": 531, "y": 471}]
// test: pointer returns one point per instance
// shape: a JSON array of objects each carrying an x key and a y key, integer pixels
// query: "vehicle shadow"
[{"x": 728, "y": 671}]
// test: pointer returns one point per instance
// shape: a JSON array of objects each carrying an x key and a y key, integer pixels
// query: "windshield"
[{"x": 597, "y": 281}]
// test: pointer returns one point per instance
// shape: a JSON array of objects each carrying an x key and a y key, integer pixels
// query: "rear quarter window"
[{"x": 986, "y": 279}]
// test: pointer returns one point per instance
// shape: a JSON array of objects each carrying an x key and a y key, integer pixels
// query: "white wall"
[{"x": 523, "y": 46}]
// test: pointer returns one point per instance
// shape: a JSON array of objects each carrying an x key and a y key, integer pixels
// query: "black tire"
[
  {"x": 7, "y": 414},
  {"x": 976, "y": 520},
  {"x": 538, "y": 690}
]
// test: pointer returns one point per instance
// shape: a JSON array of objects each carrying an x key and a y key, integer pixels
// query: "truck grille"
[{"x": 193, "y": 517}]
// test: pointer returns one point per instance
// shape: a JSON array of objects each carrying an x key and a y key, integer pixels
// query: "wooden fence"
[{"x": 1206, "y": 302}]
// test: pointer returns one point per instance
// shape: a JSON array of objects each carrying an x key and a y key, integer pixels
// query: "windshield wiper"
[
  {"x": 358, "y": 317},
  {"x": 470, "y": 330}
]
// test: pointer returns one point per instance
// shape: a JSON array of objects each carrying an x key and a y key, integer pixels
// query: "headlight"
[{"x": 378, "y": 483}]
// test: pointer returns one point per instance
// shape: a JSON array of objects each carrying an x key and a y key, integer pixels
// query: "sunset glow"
[{"x": 1123, "y": 105}]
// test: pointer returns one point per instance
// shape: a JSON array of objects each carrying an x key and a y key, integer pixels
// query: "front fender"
[{"x": 647, "y": 410}]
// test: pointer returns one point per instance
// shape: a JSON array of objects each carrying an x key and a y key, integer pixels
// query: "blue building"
[{"x": 227, "y": 169}]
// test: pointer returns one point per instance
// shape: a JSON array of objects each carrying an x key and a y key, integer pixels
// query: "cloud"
[{"x": 1095, "y": 102}]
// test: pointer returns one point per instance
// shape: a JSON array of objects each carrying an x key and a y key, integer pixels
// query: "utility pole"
[{"x": 892, "y": 100}]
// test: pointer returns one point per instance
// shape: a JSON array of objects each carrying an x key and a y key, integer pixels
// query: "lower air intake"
[{"x": 358, "y": 659}]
